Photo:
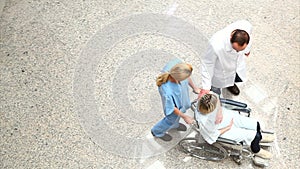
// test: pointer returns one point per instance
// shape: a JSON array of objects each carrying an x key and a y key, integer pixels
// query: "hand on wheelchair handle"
[
  {"x": 202, "y": 92},
  {"x": 194, "y": 126},
  {"x": 188, "y": 119},
  {"x": 194, "y": 123}
]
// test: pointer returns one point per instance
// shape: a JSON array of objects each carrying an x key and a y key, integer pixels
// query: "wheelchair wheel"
[{"x": 205, "y": 151}]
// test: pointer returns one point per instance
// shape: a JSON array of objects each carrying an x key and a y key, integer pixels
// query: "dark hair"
[{"x": 240, "y": 36}]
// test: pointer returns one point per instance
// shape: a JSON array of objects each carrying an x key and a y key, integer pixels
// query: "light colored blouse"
[{"x": 243, "y": 129}]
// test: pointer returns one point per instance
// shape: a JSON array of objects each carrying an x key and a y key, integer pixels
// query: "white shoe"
[
  {"x": 264, "y": 154},
  {"x": 265, "y": 144},
  {"x": 267, "y": 138},
  {"x": 258, "y": 161}
]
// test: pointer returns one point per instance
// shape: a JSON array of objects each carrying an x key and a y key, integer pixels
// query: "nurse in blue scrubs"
[{"x": 173, "y": 89}]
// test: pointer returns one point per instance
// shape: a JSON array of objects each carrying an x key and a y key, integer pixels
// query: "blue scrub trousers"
[{"x": 167, "y": 123}]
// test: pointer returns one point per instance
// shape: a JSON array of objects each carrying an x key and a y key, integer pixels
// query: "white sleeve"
[
  {"x": 211, "y": 131},
  {"x": 248, "y": 48},
  {"x": 208, "y": 64},
  {"x": 208, "y": 128}
]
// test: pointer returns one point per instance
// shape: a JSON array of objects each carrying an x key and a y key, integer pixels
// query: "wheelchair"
[{"x": 222, "y": 148}]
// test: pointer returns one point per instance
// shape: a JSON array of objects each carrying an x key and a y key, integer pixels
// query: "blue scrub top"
[
  {"x": 171, "y": 96},
  {"x": 174, "y": 95}
]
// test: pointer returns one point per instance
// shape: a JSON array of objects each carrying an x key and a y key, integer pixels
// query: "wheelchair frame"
[{"x": 222, "y": 148}]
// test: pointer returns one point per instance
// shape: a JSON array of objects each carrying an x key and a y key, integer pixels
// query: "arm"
[
  {"x": 219, "y": 116},
  {"x": 248, "y": 48},
  {"x": 202, "y": 92},
  {"x": 207, "y": 72},
  {"x": 208, "y": 64},
  {"x": 186, "y": 118},
  {"x": 223, "y": 130},
  {"x": 209, "y": 130},
  {"x": 193, "y": 86}
]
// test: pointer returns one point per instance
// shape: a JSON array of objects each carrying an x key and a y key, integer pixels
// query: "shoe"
[
  {"x": 234, "y": 90},
  {"x": 166, "y": 137},
  {"x": 267, "y": 138},
  {"x": 260, "y": 162},
  {"x": 264, "y": 154},
  {"x": 181, "y": 127},
  {"x": 265, "y": 144}
]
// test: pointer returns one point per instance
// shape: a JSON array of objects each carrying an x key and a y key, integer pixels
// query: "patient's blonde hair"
[
  {"x": 179, "y": 72},
  {"x": 207, "y": 103}
]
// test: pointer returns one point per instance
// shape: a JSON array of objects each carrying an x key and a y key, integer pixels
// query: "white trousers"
[{"x": 243, "y": 129}]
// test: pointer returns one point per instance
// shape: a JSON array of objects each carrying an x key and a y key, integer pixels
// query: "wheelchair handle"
[
  {"x": 194, "y": 126},
  {"x": 233, "y": 103},
  {"x": 242, "y": 106}
]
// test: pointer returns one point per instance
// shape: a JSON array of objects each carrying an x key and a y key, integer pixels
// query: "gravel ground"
[{"x": 77, "y": 79}]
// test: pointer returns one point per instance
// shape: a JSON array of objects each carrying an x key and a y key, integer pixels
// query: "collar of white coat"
[{"x": 228, "y": 45}]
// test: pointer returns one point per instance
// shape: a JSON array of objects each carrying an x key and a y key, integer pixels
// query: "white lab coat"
[{"x": 221, "y": 62}]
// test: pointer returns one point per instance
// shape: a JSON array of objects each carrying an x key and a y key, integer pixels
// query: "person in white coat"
[
  {"x": 224, "y": 61},
  {"x": 216, "y": 121}
]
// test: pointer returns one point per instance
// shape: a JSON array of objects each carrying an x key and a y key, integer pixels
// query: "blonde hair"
[
  {"x": 207, "y": 103},
  {"x": 179, "y": 72}
]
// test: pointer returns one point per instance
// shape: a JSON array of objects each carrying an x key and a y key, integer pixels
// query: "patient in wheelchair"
[{"x": 216, "y": 121}]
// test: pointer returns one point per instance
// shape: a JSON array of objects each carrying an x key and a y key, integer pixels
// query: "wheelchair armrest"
[
  {"x": 225, "y": 140},
  {"x": 233, "y": 103},
  {"x": 243, "y": 106},
  {"x": 248, "y": 110},
  {"x": 244, "y": 110}
]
